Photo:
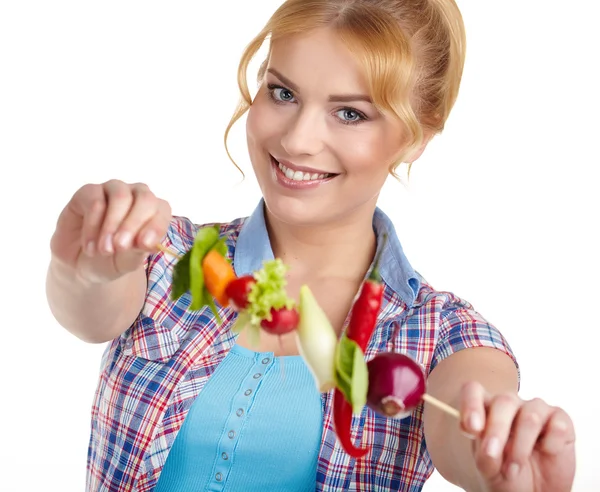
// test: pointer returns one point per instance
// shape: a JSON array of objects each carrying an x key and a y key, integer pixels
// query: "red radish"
[
  {"x": 237, "y": 291},
  {"x": 283, "y": 321},
  {"x": 396, "y": 384}
]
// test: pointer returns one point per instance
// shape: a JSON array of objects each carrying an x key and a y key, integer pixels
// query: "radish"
[
  {"x": 262, "y": 302},
  {"x": 396, "y": 384},
  {"x": 316, "y": 340},
  {"x": 282, "y": 321},
  {"x": 237, "y": 291}
]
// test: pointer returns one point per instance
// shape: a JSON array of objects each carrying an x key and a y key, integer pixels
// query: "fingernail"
[
  {"x": 123, "y": 239},
  {"x": 475, "y": 422},
  {"x": 492, "y": 448},
  {"x": 90, "y": 248},
  {"x": 468, "y": 436},
  {"x": 107, "y": 243},
  {"x": 560, "y": 425},
  {"x": 149, "y": 239},
  {"x": 513, "y": 471}
]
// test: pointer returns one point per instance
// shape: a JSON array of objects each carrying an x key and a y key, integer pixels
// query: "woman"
[{"x": 349, "y": 90}]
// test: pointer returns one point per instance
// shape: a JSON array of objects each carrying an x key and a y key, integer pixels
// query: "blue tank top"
[{"x": 255, "y": 426}]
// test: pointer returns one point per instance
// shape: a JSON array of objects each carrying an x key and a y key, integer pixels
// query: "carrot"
[{"x": 218, "y": 272}]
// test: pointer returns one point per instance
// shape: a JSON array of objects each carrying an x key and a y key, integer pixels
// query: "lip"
[{"x": 286, "y": 182}]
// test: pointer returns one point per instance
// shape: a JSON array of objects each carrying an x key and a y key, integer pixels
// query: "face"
[{"x": 320, "y": 150}]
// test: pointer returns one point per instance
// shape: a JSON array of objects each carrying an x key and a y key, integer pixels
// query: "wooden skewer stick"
[
  {"x": 168, "y": 251},
  {"x": 441, "y": 405}
]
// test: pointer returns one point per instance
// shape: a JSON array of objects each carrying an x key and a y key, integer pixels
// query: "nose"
[{"x": 303, "y": 134}]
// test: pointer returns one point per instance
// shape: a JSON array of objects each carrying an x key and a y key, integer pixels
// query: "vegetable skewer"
[
  {"x": 391, "y": 384},
  {"x": 397, "y": 385}
]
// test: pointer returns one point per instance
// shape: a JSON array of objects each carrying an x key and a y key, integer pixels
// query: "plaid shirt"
[{"x": 152, "y": 373}]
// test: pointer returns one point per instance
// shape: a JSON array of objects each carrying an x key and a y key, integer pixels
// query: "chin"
[{"x": 295, "y": 211}]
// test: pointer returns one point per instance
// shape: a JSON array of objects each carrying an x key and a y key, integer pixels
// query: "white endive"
[{"x": 316, "y": 340}]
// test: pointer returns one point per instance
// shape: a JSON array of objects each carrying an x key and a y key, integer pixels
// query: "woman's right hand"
[{"x": 107, "y": 230}]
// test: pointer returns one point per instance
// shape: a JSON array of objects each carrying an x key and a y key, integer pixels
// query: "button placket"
[{"x": 237, "y": 419}]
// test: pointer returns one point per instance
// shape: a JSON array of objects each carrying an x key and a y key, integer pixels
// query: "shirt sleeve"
[{"x": 465, "y": 328}]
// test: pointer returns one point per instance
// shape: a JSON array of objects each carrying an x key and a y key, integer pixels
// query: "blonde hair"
[{"x": 411, "y": 52}]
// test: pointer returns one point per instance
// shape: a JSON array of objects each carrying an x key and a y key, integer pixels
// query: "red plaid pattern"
[{"x": 153, "y": 372}]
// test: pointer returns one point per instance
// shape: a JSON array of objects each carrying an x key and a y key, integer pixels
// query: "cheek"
[
  {"x": 252, "y": 126},
  {"x": 260, "y": 124},
  {"x": 370, "y": 154}
]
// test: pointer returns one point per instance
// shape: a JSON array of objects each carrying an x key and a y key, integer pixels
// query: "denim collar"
[{"x": 253, "y": 247}]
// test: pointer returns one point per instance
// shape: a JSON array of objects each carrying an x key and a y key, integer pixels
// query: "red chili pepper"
[
  {"x": 366, "y": 308},
  {"x": 365, "y": 311},
  {"x": 342, "y": 418},
  {"x": 363, "y": 318}
]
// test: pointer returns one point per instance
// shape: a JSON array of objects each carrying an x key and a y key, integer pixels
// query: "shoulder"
[{"x": 438, "y": 324}]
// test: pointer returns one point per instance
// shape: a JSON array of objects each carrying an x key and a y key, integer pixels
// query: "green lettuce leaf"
[{"x": 269, "y": 291}]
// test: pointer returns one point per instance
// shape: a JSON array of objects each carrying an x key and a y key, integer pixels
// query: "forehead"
[{"x": 317, "y": 61}]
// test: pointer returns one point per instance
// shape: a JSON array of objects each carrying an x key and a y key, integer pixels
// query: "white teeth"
[{"x": 299, "y": 175}]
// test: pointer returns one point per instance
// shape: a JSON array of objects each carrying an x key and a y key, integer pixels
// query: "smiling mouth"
[{"x": 300, "y": 175}]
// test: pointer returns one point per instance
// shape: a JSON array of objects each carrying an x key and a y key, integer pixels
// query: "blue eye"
[
  {"x": 346, "y": 116},
  {"x": 280, "y": 94},
  {"x": 350, "y": 115}
]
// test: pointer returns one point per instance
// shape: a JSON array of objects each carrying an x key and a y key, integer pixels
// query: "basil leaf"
[
  {"x": 181, "y": 277},
  {"x": 352, "y": 377},
  {"x": 342, "y": 371}
]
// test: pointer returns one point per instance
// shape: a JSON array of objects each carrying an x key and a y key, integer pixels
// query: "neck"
[{"x": 344, "y": 248}]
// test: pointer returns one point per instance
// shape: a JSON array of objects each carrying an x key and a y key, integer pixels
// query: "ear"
[{"x": 418, "y": 152}]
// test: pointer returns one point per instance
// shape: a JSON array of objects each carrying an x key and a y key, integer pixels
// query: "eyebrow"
[{"x": 335, "y": 98}]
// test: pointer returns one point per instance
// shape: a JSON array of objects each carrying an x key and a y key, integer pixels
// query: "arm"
[
  {"x": 96, "y": 281},
  {"x": 516, "y": 445},
  {"x": 450, "y": 450},
  {"x": 94, "y": 312}
]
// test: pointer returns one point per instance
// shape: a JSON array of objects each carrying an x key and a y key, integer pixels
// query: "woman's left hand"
[{"x": 519, "y": 446}]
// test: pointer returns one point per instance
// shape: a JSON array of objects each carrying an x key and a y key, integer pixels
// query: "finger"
[
  {"x": 155, "y": 229},
  {"x": 527, "y": 427},
  {"x": 118, "y": 202},
  {"x": 472, "y": 409},
  {"x": 145, "y": 205},
  {"x": 490, "y": 450},
  {"x": 558, "y": 432},
  {"x": 89, "y": 202},
  {"x": 146, "y": 240}
]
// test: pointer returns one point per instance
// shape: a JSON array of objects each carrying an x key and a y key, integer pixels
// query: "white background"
[{"x": 502, "y": 208}]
